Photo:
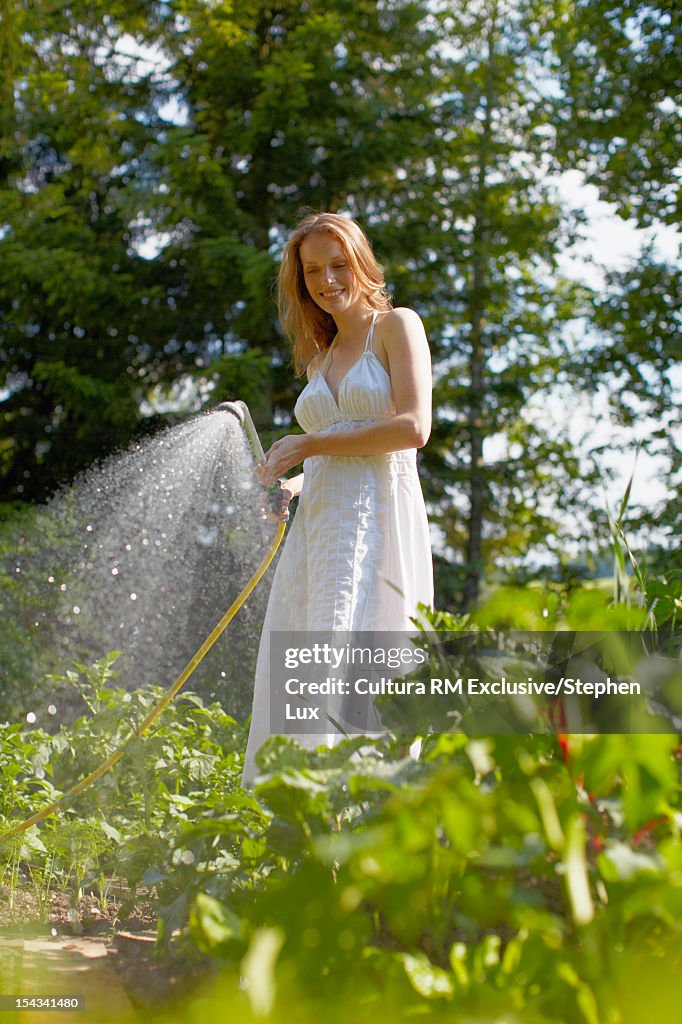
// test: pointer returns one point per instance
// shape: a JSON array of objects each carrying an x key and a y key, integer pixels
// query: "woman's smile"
[{"x": 329, "y": 294}]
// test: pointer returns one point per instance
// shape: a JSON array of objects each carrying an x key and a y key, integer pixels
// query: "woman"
[{"x": 357, "y": 557}]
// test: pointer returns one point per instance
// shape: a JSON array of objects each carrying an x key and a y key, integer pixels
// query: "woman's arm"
[{"x": 409, "y": 364}]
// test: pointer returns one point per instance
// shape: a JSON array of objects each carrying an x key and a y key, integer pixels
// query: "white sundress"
[{"x": 358, "y": 555}]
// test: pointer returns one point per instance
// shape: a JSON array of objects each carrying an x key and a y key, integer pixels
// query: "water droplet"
[
  {"x": 89, "y": 528},
  {"x": 50, "y": 579},
  {"x": 129, "y": 547},
  {"x": 30, "y": 718},
  {"x": 51, "y": 709},
  {"x": 76, "y": 610},
  {"x": 127, "y": 698},
  {"x": 114, "y": 572},
  {"x": 62, "y": 586},
  {"x": 133, "y": 597}
]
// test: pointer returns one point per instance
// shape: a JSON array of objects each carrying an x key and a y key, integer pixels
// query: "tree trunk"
[
  {"x": 476, "y": 472},
  {"x": 474, "y": 552}
]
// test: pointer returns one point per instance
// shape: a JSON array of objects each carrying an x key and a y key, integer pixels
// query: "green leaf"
[
  {"x": 110, "y": 831},
  {"x": 427, "y": 979},
  {"x": 577, "y": 879},
  {"x": 213, "y": 924},
  {"x": 258, "y": 969}
]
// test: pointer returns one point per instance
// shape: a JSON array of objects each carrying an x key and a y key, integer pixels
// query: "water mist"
[{"x": 144, "y": 553}]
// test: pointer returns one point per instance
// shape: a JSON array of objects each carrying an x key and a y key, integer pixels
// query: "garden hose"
[{"x": 117, "y": 754}]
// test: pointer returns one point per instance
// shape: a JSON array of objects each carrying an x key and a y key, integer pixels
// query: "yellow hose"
[{"x": 116, "y": 756}]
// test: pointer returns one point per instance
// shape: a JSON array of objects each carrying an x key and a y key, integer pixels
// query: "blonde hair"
[{"x": 308, "y": 327}]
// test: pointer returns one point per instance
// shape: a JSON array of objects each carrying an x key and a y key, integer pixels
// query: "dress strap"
[
  {"x": 370, "y": 333},
  {"x": 325, "y": 361}
]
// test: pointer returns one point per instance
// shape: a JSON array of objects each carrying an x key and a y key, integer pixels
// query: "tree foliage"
[
  {"x": 154, "y": 156},
  {"x": 620, "y": 114}
]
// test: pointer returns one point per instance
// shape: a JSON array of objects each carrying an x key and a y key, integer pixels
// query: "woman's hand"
[
  {"x": 285, "y": 495},
  {"x": 278, "y": 511},
  {"x": 283, "y": 456}
]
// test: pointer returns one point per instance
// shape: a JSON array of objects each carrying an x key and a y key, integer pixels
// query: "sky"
[{"x": 611, "y": 240}]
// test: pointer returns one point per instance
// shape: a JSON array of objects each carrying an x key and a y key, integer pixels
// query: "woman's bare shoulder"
[
  {"x": 402, "y": 315},
  {"x": 401, "y": 326}
]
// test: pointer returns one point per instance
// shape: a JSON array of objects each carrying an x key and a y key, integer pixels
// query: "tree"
[
  {"x": 619, "y": 122},
  {"x": 196, "y": 134},
  {"x": 619, "y": 117},
  {"x": 76, "y": 300},
  {"x": 285, "y": 108},
  {"x": 201, "y": 130},
  {"x": 478, "y": 233}
]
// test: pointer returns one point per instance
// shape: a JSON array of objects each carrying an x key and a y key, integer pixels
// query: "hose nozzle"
[{"x": 240, "y": 410}]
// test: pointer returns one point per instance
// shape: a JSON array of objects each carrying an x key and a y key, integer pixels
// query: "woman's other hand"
[
  {"x": 278, "y": 512},
  {"x": 285, "y": 496}
]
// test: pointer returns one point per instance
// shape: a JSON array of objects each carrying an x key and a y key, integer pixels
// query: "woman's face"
[{"x": 326, "y": 272}]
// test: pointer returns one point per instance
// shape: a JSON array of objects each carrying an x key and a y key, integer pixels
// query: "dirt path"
[{"x": 59, "y": 967}]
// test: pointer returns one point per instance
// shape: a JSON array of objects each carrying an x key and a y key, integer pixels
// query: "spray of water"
[{"x": 144, "y": 553}]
